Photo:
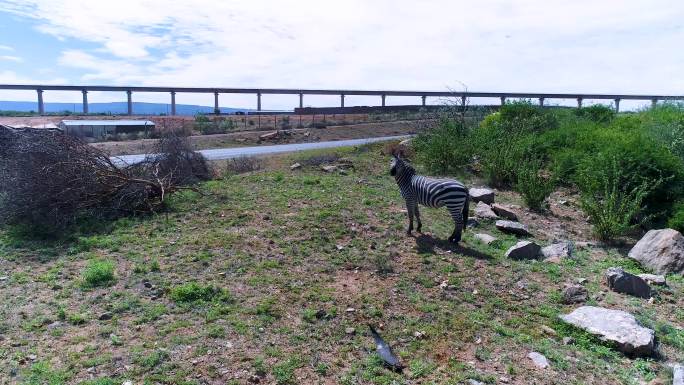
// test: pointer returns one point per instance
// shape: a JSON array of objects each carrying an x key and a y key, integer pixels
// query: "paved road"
[{"x": 227, "y": 153}]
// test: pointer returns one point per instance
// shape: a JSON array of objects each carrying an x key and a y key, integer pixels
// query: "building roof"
[{"x": 107, "y": 122}]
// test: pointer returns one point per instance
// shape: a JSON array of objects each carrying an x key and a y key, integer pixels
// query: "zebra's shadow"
[{"x": 426, "y": 243}]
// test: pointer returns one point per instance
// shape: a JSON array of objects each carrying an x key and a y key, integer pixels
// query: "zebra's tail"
[{"x": 466, "y": 209}]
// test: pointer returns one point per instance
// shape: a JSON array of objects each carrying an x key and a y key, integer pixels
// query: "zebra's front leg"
[
  {"x": 409, "y": 209},
  {"x": 419, "y": 224}
]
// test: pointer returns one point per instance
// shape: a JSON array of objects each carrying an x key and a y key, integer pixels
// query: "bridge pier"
[
  {"x": 85, "y": 101},
  {"x": 654, "y": 103},
  {"x": 541, "y": 102},
  {"x": 463, "y": 101},
  {"x": 129, "y": 98},
  {"x": 579, "y": 102},
  {"x": 617, "y": 105},
  {"x": 41, "y": 105},
  {"x": 173, "y": 102},
  {"x": 503, "y": 100},
  {"x": 423, "y": 100},
  {"x": 217, "y": 110},
  {"x": 258, "y": 101},
  {"x": 382, "y": 99},
  {"x": 341, "y": 100},
  {"x": 301, "y": 100}
]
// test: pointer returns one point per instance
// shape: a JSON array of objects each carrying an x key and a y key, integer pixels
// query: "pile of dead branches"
[{"x": 50, "y": 180}]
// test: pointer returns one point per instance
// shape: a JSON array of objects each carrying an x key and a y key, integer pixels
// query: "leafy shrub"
[
  {"x": 446, "y": 148},
  {"x": 98, "y": 272},
  {"x": 243, "y": 164},
  {"x": 676, "y": 220},
  {"x": 665, "y": 123},
  {"x": 533, "y": 186},
  {"x": 194, "y": 292},
  {"x": 611, "y": 199},
  {"x": 597, "y": 113}
]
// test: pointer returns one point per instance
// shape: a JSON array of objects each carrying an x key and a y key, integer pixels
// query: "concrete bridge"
[{"x": 382, "y": 94}]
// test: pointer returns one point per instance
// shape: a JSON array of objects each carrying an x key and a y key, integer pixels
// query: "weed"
[{"x": 98, "y": 272}]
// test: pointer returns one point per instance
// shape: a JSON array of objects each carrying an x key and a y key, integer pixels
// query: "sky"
[{"x": 582, "y": 46}]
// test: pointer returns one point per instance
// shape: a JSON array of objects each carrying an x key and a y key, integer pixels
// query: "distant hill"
[{"x": 115, "y": 108}]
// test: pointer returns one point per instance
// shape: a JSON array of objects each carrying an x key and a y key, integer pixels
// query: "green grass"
[
  {"x": 98, "y": 273},
  {"x": 252, "y": 282}
]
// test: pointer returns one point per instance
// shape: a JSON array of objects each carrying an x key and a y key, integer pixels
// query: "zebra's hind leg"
[{"x": 456, "y": 214}]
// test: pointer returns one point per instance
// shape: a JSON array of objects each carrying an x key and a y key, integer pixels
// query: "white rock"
[
  {"x": 614, "y": 326},
  {"x": 482, "y": 210},
  {"x": 481, "y": 195},
  {"x": 484, "y": 238},
  {"x": 512, "y": 227},
  {"x": 678, "y": 374},
  {"x": 539, "y": 360},
  {"x": 524, "y": 250},
  {"x": 653, "y": 279},
  {"x": 296, "y": 166},
  {"x": 270, "y": 135},
  {"x": 560, "y": 250},
  {"x": 330, "y": 168},
  {"x": 504, "y": 212},
  {"x": 661, "y": 251},
  {"x": 127, "y": 383}
]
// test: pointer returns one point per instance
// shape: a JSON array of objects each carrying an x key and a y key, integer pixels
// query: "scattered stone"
[
  {"x": 270, "y": 135},
  {"x": 127, "y": 383},
  {"x": 254, "y": 379},
  {"x": 32, "y": 357},
  {"x": 678, "y": 374},
  {"x": 472, "y": 222},
  {"x": 296, "y": 166},
  {"x": 474, "y": 382},
  {"x": 481, "y": 195},
  {"x": 653, "y": 279},
  {"x": 406, "y": 142},
  {"x": 350, "y": 310},
  {"x": 555, "y": 260},
  {"x": 575, "y": 294},
  {"x": 548, "y": 330},
  {"x": 54, "y": 325},
  {"x": 482, "y": 210},
  {"x": 105, "y": 316},
  {"x": 568, "y": 340},
  {"x": 539, "y": 360},
  {"x": 614, "y": 326},
  {"x": 4, "y": 278},
  {"x": 484, "y": 238},
  {"x": 504, "y": 212},
  {"x": 330, "y": 168},
  {"x": 419, "y": 335},
  {"x": 661, "y": 251},
  {"x": 513, "y": 227},
  {"x": 560, "y": 250},
  {"x": 585, "y": 244},
  {"x": 350, "y": 331},
  {"x": 524, "y": 250},
  {"x": 581, "y": 281},
  {"x": 623, "y": 282},
  {"x": 505, "y": 380}
]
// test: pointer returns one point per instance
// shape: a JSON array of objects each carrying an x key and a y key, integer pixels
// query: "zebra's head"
[{"x": 399, "y": 167}]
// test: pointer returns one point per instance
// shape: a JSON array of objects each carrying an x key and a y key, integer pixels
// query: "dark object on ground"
[
  {"x": 385, "y": 352},
  {"x": 623, "y": 282},
  {"x": 49, "y": 180}
]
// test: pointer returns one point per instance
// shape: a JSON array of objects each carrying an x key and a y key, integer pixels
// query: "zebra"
[{"x": 430, "y": 192}]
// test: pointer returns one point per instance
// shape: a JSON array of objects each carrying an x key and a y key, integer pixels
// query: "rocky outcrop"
[
  {"x": 484, "y": 195},
  {"x": 512, "y": 227},
  {"x": 504, "y": 212},
  {"x": 615, "y": 326},
  {"x": 575, "y": 294},
  {"x": 558, "y": 250},
  {"x": 524, "y": 250},
  {"x": 623, "y": 282},
  {"x": 653, "y": 279},
  {"x": 482, "y": 210},
  {"x": 661, "y": 251}
]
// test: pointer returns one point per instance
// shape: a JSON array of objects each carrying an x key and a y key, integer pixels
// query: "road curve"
[{"x": 227, "y": 153}]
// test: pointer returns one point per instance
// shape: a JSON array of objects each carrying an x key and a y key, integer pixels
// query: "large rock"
[
  {"x": 484, "y": 238},
  {"x": 558, "y": 250},
  {"x": 678, "y": 374},
  {"x": 481, "y": 195},
  {"x": 524, "y": 250},
  {"x": 504, "y": 212},
  {"x": 539, "y": 360},
  {"x": 575, "y": 294},
  {"x": 661, "y": 251},
  {"x": 482, "y": 210},
  {"x": 512, "y": 227},
  {"x": 623, "y": 282},
  {"x": 616, "y": 326},
  {"x": 653, "y": 279}
]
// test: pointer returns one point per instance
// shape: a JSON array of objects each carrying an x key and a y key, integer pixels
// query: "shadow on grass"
[{"x": 426, "y": 244}]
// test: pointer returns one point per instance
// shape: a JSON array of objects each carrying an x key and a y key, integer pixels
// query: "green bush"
[
  {"x": 676, "y": 220},
  {"x": 665, "y": 123},
  {"x": 597, "y": 113},
  {"x": 446, "y": 148},
  {"x": 612, "y": 198},
  {"x": 98, "y": 272},
  {"x": 194, "y": 292},
  {"x": 532, "y": 185}
]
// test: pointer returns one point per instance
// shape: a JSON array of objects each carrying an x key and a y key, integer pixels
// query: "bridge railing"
[{"x": 382, "y": 94}]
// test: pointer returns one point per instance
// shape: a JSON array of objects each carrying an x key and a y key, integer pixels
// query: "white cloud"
[
  {"x": 554, "y": 46},
  {"x": 6, "y": 48},
  {"x": 15, "y": 59}
]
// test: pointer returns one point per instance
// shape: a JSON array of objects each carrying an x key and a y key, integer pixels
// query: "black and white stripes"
[{"x": 416, "y": 189}]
